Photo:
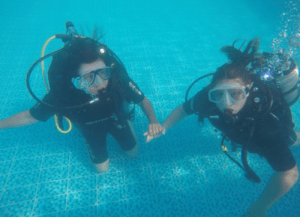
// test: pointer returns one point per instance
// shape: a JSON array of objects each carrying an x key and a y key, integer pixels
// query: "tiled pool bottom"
[{"x": 189, "y": 177}]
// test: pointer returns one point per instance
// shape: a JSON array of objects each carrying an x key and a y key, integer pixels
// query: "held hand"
[
  {"x": 154, "y": 130},
  {"x": 256, "y": 210}
]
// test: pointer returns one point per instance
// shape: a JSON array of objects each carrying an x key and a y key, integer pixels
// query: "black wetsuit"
[
  {"x": 96, "y": 120},
  {"x": 265, "y": 112}
]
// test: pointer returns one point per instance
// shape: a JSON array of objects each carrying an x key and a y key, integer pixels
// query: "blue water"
[{"x": 165, "y": 45}]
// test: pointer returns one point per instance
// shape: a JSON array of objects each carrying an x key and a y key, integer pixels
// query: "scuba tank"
[{"x": 284, "y": 72}]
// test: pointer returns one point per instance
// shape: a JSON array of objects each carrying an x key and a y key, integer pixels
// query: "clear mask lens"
[
  {"x": 232, "y": 94},
  {"x": 104, "y": 73},
  {"x": 85, "y": 81}
]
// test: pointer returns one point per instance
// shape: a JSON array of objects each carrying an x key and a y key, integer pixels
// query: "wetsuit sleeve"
[
  {"x": 42, "y": 112},
  {"x": 198, "y": 103},
  {"x": 132, "y": 91}
]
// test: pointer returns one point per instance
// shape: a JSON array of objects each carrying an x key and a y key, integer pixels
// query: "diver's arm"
[
  {"x": 148, "y": 110},
  {"x": 278, "y": 186},
  {"x": 18, "y": 120},
  {"x": 154, "y": 128},
  {"x": 176, "y": 116}
]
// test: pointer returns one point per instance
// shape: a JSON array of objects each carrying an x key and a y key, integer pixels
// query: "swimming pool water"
[{"x": 165, "y": 45}]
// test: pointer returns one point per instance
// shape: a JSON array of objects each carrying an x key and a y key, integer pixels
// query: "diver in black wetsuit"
[
  {"x": 87, "y": 71},
  {"x": 250, "y": 113}
]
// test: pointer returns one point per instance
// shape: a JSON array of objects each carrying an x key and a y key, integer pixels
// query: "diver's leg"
[
  {"x": 127, "y": 139},
  {"x": 133, "y": 152},
  {"x": 96, "y": 146},
  {"x": 102, "y": 167}
]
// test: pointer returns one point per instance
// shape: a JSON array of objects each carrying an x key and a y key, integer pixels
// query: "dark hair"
[
  {"x": 241, "y": 63},
  {"x": 97, "y": 32},
  {"x": 81, "y": 50}
]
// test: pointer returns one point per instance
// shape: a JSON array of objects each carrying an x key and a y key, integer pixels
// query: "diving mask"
[
  {"x": 228, "y": 93},
  {"x": 87, "y": 80}
]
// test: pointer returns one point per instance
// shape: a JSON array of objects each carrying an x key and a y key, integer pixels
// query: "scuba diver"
[
  {"x": 247, "y": 102},
  {"x": 90, "y": 87}
]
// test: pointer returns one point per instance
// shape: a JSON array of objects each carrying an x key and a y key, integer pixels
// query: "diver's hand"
[
  {"x": 256, "y": 210},
  {"x": 154, "y": 131}
]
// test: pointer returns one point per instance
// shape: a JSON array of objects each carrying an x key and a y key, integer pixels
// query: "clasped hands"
[{"x": 154, "y": 131}]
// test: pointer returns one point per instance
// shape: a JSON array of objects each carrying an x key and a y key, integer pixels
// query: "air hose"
[{"x": 58, "y": 123}]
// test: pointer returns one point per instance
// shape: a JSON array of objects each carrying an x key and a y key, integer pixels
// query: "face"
[
  {"x": 98, "y": 83},
  {"x": 229, "y": 94}
]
